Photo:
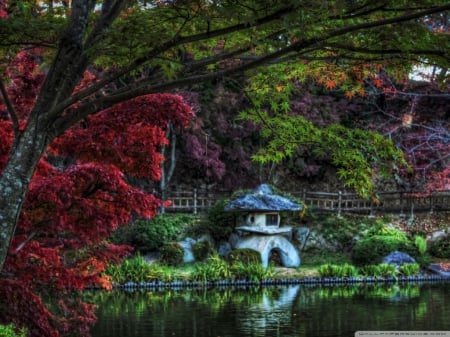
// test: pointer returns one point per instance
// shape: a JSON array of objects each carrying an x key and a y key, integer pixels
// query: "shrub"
[
  {"x": 441, "y": 248},
  {"x": 381, "y": 229},
  {"x": 152, "y": 234},
  {"x": 202, "y": 250},
  {"x": 245, "y": 255},
  {"x": 10, "y": 331},
  {"x": 220, "y": 223},
  {"x": 372, "y": 249},
  {"x": 172, "y": 254}
]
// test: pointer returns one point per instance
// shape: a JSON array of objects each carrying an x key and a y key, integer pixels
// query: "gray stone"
[
  {"x": 187, "y": 244},
  {"x": 438, "y": 235},
  {"x": 301, "y": 235},
  {"x": 398, "y": 258},
  {"x": 224, "y": 249},
  {"x": 266, "y": 244}
]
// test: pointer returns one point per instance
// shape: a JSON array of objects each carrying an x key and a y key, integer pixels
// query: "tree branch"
[{"x": 9, "y": 106}]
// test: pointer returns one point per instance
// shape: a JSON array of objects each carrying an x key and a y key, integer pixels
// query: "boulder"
[
  {"x": 301, "y": 235},
  {"x": 398, "y": 258},
  {"x": 266, "y": 244},
  {"x": 187, "y": 244}
]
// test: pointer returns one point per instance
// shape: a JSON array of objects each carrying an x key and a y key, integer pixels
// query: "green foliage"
[
  {"x": 360, "y": 156},
  {"x": 409, "y": 269},
  {"x": 220, "y": 223},
  {"x": 421, "y": 244},
  {"x": 10, "y": 331},
  {"x": 441, "y": 248},
  {"x": 387, "y": 270},
  {"x": 334, "y": 270},
  {"x": 381, "y": 229},
  {"x": 202, "y": 250},
  {"x": 134, "y": 269},
  {"x": 379, "y": 270},
  {"x": 254, "y": 272},
  {"x": 213, "y": 269},
  {"x": 372, "y": 249},
  {"x": 151, "y": 235},
  {"x": 244, "y": 255},
  {"x": 172, "y": 254}
]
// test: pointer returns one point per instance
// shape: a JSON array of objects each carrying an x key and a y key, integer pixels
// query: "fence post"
[
  {"x": 339, "y": 203},
  {"x": 195, "y": 201}
]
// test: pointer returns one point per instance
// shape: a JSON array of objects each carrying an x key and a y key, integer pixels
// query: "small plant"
[
  {"x": 333, "y": 270},
  {"x": 213, "y": 269},
  {"x": 134, "y": 269},
  {"x": 10, "y": 331},
  {"x": 251, "y": 271},
  {"x": 421, "y": 244},
  {"x": 409, "y": 269},
  {"x": 387, "y": 270},
  {"x": 369, "y": 270}
]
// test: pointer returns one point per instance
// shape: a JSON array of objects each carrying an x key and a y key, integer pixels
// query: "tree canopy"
[{"x": 74, "y": 74}]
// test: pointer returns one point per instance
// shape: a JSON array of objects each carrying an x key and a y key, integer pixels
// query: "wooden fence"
[{"x": 199, "y": 201}]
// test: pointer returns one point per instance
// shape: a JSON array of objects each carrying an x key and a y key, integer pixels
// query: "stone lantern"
[{"x": 261, "y": 209}]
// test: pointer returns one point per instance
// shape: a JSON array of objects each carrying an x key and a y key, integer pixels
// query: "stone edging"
[{"x": 283, "y": 281}]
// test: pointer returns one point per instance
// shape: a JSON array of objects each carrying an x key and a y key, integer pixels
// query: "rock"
[
  {"x": 224, "y": 249},
  {"x": 437, "y": 235},
  {"x": 187, "y": 244},
  {"x": 301, "y": 235},
  {"x": 265, "y": 244},
  {"x": 398, "y": 258}
]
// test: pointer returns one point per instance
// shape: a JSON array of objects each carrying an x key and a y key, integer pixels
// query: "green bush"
[
  {"x": 220, "y": 224},
  {"x": 441, "y": 248},
  {"x": 172, "y": 254},
  {"x": 372, "y": 249},
  {"x": 150, "y": 235},
  {"x": 10, "y": 331},
  {"x": 202, "y": 250},
  {"x": 245, "y": 255}
]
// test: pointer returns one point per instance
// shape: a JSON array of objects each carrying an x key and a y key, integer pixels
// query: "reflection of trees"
[{"x": 285, "y": 311}]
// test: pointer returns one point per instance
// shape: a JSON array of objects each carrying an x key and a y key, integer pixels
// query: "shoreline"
[{"x": 314, "y": 281}]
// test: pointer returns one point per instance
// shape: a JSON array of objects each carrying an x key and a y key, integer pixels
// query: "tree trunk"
[{"x": 14, "y": 182}]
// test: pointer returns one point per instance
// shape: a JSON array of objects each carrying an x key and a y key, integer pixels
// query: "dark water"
[{"x": 288, "y": 311}]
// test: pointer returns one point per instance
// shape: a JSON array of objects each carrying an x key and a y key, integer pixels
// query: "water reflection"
[{"x": 273, "y": 311}]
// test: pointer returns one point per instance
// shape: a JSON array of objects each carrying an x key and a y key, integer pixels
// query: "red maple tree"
[{"x": 78, "y": 196}]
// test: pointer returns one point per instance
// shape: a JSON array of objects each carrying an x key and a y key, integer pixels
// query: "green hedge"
[{"x": 372, "y": 249}]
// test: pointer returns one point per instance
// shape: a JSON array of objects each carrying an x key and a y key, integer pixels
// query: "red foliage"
[{"x": 77, "y": 198}]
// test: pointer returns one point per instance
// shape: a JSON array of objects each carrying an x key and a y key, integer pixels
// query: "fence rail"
[{"x": 200, "y": 201}]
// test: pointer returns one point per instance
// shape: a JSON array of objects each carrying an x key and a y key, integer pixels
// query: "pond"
[{"x": 288, "y": 311}]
